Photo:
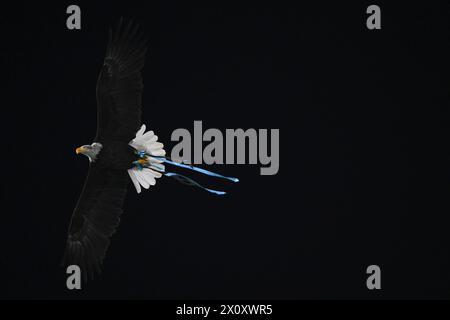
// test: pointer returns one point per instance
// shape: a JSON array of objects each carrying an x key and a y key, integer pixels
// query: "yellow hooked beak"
[{"x": 80, "y": 150}]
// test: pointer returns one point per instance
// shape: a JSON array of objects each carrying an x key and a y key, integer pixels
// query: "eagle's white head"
[{"x": 90, "y": 150}]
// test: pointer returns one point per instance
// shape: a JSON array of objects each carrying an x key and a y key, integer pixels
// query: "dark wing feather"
[
  {"x": 119, "y": 85},
  {"x": 95, "y": 218}
]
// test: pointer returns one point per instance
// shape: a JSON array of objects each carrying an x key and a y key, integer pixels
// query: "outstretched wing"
[
  {"x": 119, "y": 95},
  {"x": 119, "y": 85},
  {"x": 95, "y": 218}
]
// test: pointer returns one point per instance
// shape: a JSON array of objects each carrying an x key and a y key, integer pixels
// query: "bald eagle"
[{"x": 122, "y": 150}]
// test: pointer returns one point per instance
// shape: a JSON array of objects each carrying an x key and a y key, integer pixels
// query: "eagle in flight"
[{"x": 122, "y": 150}]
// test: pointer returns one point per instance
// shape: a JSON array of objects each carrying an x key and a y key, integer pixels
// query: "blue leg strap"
[
  {"x": 186, "y": 166},
  {"x": 189, "y": 181}
]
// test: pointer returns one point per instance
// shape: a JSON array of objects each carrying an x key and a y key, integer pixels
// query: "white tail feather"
[
  {"x": 147, "y": 142},
  {"x": 131, "y": 172}
]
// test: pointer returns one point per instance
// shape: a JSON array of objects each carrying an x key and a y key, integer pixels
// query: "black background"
[{"x": 363, "y": 118}]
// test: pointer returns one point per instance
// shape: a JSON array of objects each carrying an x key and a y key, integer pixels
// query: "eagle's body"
[{"x": 122, "y": 151}]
